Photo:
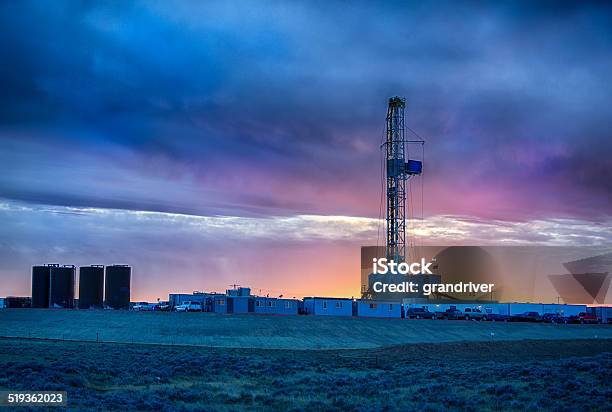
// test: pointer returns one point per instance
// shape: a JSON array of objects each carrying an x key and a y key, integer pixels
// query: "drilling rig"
[{"x": 398, "y": 171}]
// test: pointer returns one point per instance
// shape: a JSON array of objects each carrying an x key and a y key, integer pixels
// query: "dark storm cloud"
[{"x": 241, "y": 108}]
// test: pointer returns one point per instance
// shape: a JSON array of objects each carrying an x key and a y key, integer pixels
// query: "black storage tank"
[
  {"x": 40, "y": 285},
  {"x": 91, "y": 286},
  {"x": 61, "y": 286},
  {"x": 117, "y": 286}
]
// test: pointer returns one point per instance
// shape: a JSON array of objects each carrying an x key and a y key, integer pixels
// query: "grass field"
[
  {"x": 272, "y": 332},
  {"x": 490, "y": 376},
  {"x": 199, "y": 361}
]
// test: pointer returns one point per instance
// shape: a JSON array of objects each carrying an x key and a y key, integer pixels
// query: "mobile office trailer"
[
  {"x": 17, "y": 302},
  {"x": 204, "y": 299},
  {"x": 219, "y": 304},
  {"x": 516, "y": 308},
  {"x": 562, "y": 309},
  {"x": 240, "y": 291},
  {"x": 603, "y": 313},
  {"x": 494, "y": 308},
  {"x": 240, "y": 304},
  {"x": 328, "y": 306},
  {"x": 276, "y": 306},
  {"x": 377, "y": 309},
  {"x": 177, "y": 299},
  {"x": 508, "y": 309}
]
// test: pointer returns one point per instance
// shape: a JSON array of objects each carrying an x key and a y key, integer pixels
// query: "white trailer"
[
  {"x": 508, "y": 309},
  {"x": 603, "y": 313}
]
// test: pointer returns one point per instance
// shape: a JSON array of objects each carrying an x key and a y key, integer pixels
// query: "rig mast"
[{"x": 398, "y": 171}]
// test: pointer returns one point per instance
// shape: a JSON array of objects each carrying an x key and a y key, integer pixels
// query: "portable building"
[
  {"x": 508, "y": 309},
  {"x": 563, "y": 309},
  {"x": 377, "y": 309},
  {"x": 603, "y": 313},
  {"x": 240, "y": 304},
  {"x": 17, "y": 302},
  {"x": 486, "y": 307},
  {"x": 240, "y": 291},
  {"x": 277, "y": 306},
  {"x": 203, "y": 298},
  {"x": 328, "y": 306},
  {"x": 219, "y": 304}
]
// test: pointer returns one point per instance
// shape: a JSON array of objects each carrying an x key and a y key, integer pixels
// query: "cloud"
[
  {"x": 302, "y": 254},
  {"x": 279, "y": 108},
  {"x": 185, "y": 137}
]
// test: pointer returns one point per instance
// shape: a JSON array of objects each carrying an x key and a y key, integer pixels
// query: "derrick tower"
[{"x": 398, "y": 171}]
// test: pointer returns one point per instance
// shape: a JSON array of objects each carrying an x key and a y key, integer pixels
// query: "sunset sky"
[{"x": 213, "y": 143}]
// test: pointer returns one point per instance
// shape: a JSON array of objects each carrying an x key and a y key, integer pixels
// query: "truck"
[
  {"x": 450, "y": 314},
  {"x": 144, "y": 307},
  {"x": 189, "y": 306},
  {"x": 419, "y": 313},
  {"x": 474, "y": 314},
  {"x": 584, "y": 317},
  {"x": 526, "y": 317}
]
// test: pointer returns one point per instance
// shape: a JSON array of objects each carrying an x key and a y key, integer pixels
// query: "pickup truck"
[
  {"x": 526, "y": 317},
  {"x": 554, "y": 318},
  {"x": 143, "y": 306},
  {"x": 450, "y": 314},
  {"x": 584, "y": 317},
  {"x": 419, "y": 313},
  {"x": 496, "y": 317},
  {"x": 474, "y": 314},
  {"x": 163, "y": 307},
  {"x": 189, "y": 307}
]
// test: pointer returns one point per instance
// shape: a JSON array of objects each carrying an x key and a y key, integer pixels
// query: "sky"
[{"x": 214, "y": 143}]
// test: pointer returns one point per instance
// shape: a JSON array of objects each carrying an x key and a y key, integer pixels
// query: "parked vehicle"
[
  {"x": 189, "y": 307},
  {"x": 450, "y": 314},
  {"x": 584, "y": 317},
  {"x": 496, "y": 317},
  {"x": 474, "y": 314},
  {"x": 163, "y": 307},
  {"x": 526, "y": 317},
  {"x": 143, "y": 307},
  {"x": 554, "y": 318},
  {"x": 419, "y": 313}
]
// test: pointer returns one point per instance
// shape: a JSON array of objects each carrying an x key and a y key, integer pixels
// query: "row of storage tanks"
[{"x": 53, "y": 286}]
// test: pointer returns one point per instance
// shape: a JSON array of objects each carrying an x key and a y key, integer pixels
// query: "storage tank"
[
  {"x": 61, "y": 286},
  {"x": 117, "y": 286},
  {"x": 40, "y": 285},
  {"x": 91, "y": 286}
]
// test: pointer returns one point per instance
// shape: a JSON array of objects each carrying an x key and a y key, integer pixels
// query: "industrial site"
[
  {"x": 388, "y": 291},
  {"x": 331, "y": 206}
]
